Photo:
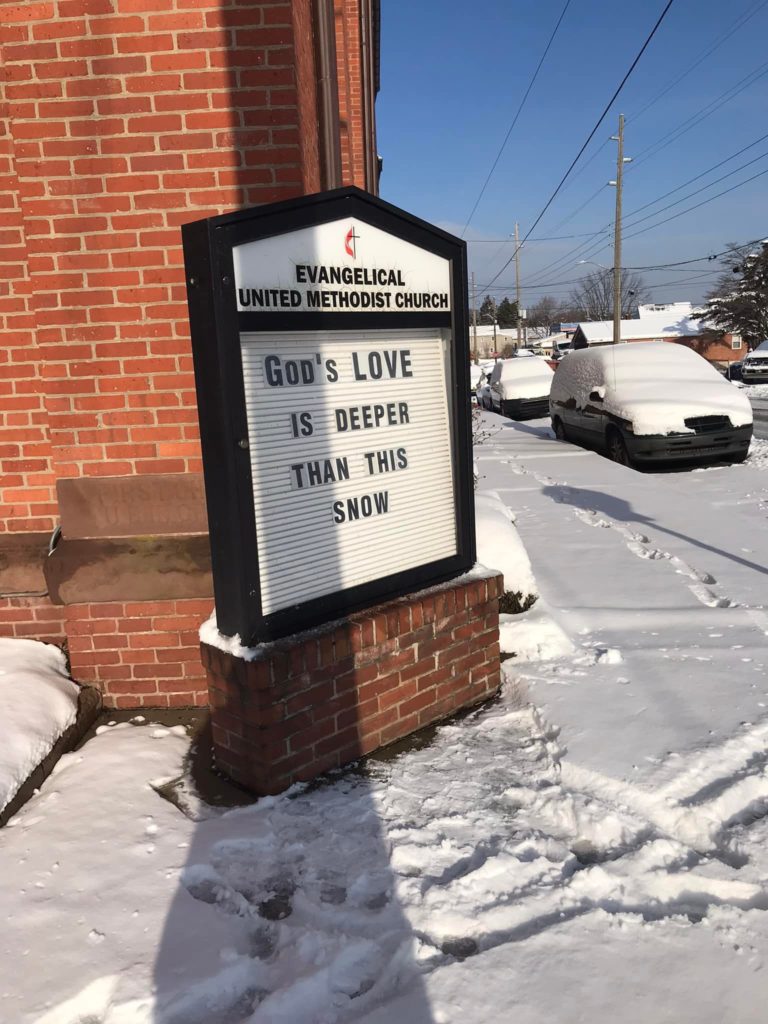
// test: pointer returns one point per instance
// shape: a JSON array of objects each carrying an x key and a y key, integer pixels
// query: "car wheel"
[
  {"x": 617, "y": 448},
  {"x": 739, "y": 458},
  {"x": 559, "y": 428}
]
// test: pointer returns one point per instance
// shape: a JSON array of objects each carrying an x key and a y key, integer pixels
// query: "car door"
[
  {"x": 593, "y": 418},
  {"x": 587, "y": 415},
  {"x": 495, "y": 387}
]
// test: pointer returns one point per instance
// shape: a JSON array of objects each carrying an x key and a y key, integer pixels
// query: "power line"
[
  {"x": 702, "y": 114},
  {"x": 648, "y": 267},
  {"x": 541, "y": 238},
  {"x": 740, "y": 21},
  {"x": 703, "y": 174},
  {"x": 697, "y": 259},
  {"x": 696, "y": 206},
  {"x": 517, "y": 114},
  {"x": 588, "y": 248},
  {"x": 662, "y": 143},
  {"x": 690, "y": 195},
  {"x": 591, "y": 135}
]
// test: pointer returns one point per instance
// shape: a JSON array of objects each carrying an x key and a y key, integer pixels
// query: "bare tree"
[
  {"x": 544, "y": 313},
  {"x": 593, "y": 296}
]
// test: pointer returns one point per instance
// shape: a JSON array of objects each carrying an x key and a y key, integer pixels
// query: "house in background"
[{"x": 667, "y": 322}]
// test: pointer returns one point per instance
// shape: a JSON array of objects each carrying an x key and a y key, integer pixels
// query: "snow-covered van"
[
  {"x": 754, "y": 369},
  {"x": 520, "y": 387},
  {"x": 655, "y": 401}
]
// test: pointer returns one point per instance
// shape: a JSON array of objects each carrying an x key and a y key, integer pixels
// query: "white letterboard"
[{"x": 350, "y": 448}]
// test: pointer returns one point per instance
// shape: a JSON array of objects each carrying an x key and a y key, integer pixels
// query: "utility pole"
[
  {"x": 620, "y": 161},
  {"x": 474, "y": 318},
  {"x": 517, "y": 283}
]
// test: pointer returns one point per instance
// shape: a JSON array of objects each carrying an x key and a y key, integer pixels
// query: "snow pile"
[
  {"x": 758, "y": 453},
  {"x": 534, "y": 635},
  {"x": 209, "y": 634},
  {"x": 499, "y": 546},
  {"x": 655, "y": 386},
  {"x": 38, "y": 702},
  {"x": 756, "y": 390}
]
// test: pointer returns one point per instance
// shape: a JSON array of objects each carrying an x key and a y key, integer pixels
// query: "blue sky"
[{"x": 452, "y": 77}]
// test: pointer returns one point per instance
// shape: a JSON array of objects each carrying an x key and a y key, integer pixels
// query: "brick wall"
[
  {"x": 119, "y": 121},
  {"x": 307, "y": 705},
  {"x": 141, "y": 653}
]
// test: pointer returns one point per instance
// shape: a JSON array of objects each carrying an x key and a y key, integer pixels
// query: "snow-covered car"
[
  {"x": 649, "y": 402},
  {"x": 520, "y": 387},
  {"x": 754, "y": 369}
]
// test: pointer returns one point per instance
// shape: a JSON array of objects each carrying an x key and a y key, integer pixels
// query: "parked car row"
[
  {"x": 637, "y": 404},
  {"x": 518, "y": 388}
]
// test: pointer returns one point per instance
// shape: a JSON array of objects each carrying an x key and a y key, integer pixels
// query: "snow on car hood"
[{"x": 662, "y": 408}]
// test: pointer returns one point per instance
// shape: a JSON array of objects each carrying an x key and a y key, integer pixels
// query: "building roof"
[
  {"x": 671, "y": 309},
  {"x": 670, "y": 323}
]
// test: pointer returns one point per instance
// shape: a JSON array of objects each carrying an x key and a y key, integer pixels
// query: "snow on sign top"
[{"x": 344, "y": 266}]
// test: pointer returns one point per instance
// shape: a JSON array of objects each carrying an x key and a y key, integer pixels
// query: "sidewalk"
[{"x": 667, "y": 570}]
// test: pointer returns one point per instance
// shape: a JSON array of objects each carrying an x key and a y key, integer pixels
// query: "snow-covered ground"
[
  {"x": 591, "y": 847},
  {"x": 38, "y": 702}
]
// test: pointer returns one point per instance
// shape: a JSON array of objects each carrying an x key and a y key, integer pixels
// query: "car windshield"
[
  {"x": 532, "y": 368},
  {"x": 649, "y": 364}
]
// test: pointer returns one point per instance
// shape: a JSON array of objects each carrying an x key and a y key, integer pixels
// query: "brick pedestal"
[{"x": 319, "y": 700}]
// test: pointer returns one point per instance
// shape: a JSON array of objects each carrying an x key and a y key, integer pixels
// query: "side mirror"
[{"x": 596, "y": 396}]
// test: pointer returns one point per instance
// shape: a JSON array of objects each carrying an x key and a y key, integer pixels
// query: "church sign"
[{"x": 329, "y": 336}]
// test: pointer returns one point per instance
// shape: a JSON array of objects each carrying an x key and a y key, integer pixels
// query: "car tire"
[
  {"x": 617, "y": 448},
  {"x": 739, "y": 458},
  {"x": 559, "y": 429}
]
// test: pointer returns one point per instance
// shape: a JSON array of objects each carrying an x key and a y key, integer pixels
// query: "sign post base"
[{"x": 318, "y": 700}]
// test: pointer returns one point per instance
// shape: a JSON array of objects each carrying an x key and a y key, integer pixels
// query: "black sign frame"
[{"x": 216, "y": 326}]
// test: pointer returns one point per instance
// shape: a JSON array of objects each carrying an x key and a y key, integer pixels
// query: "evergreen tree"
[
  {"x": 488, "y": 309},
  {"x": 506, "y": 314},
  {"x": 739, "y": 304}
]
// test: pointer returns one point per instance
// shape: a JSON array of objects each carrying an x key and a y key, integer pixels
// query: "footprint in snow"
[
  {"x": 709, "y": 597},
  {"x": 686, "y": 570},
  {"x": 591, "y": 518}
]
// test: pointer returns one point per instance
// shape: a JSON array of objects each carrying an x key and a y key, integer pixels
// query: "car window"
[{"x": 578, "y": 375}]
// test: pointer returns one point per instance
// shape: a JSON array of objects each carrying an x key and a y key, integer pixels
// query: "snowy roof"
[
  {"x": 666, "y": 324},
  {"x": 677, "y": 309},
  {"x": 486, "y": 330}
]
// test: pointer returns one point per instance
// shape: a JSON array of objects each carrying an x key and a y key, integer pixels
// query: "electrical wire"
[
  {"x": 591, "y": 135},
  {"x": 740, "y": 21},
  {"x": 657, "y": 147},
  {"x": 517, "y": 114},
  {"x": 588, "y": 248},
  {"x": 648, "y": 267}
]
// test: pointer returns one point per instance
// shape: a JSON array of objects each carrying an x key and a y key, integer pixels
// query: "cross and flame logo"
[{"x": 349, "y": 242}]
